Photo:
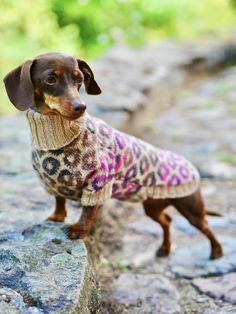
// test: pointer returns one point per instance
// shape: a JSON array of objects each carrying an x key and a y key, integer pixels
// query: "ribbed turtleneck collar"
[{"x": 50, "y": 132}]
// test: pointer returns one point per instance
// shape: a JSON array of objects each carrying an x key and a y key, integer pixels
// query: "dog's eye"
[
  {"x": 50, "y": 80},
  {"x": 79, "y": 80}
]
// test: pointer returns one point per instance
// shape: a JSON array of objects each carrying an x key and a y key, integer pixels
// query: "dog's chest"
[{"x": 58, "y": 170}]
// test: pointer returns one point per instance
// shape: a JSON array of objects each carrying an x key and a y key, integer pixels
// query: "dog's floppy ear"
[
  {"x": 19, "y": 86},
  {"x": 91, "y": 85}
]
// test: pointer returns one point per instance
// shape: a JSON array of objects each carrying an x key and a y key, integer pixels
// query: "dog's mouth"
[
  {"x": 69, "y": 116},
  {"x": 69, "y": 110},
  {"x": 72, "y": 117}
]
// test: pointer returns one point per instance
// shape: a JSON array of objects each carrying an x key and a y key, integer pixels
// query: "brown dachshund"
[{"x": 48, "y": 88}]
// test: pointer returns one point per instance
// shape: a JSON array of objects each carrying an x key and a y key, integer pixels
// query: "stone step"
[{"x": 43, "y": 271}]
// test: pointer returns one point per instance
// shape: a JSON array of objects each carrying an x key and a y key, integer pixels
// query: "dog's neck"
[{"x": 51, "y": 132}]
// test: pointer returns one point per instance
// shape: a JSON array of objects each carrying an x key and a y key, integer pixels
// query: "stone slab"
[
  {"x": 193, "y": 261},
  {"x": 43, "y": 272},
  {"x": 146, "y": 293},
  {"x": 220, "y": 287}
]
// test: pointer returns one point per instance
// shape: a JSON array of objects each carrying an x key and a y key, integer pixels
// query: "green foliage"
[
  {"x": 103, "y": 22},
  {"x": 233, "y": 2},
  {"x": 88, "y": 27},
  {"x": 227, "y": 158}
]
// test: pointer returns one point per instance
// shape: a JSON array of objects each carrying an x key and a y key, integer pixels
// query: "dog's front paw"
[
  {"x": 56, "y": 218},
  {"x": 75, "y": 231}
]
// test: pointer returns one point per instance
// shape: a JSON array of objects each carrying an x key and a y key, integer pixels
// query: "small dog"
[{"x": 80, "y": 157}]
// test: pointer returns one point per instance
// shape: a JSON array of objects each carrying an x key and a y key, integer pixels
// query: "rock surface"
[
  {"x": 42, "y": 271},
  {"x": 151, "y": 293},
  {"x": 194, "y": 261},
  {"x": 223, "y": 287}
]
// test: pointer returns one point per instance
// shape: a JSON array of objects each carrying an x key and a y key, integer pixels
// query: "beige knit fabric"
[{"x": 52, "y": 131}]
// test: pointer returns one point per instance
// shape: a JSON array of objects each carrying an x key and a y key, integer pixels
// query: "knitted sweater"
[{"x": 88, "y": 160}]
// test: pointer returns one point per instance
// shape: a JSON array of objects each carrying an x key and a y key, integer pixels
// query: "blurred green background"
[{"x": 87, "y": 28}]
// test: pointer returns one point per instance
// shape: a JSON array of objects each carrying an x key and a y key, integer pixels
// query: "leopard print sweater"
[{"x": 88, "y": 160}]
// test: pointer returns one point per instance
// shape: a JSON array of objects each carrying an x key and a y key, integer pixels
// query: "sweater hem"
[
  {"x": 158, "y": 192},
  {"x": 96, "y": 198}
]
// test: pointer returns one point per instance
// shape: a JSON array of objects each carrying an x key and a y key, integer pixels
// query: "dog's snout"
[{"x": 78, "y": 105}]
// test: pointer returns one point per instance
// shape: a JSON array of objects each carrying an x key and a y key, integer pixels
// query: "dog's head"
[{"x": 50, "y": 84}]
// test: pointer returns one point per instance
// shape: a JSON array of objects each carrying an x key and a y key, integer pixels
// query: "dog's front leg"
[
  {"x": 59, "y": 213},
  {"x": 82, "y": 228}
]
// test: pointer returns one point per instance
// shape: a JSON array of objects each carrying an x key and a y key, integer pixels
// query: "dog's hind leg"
[
  {"x": 192, "y": 207},
  {"x": 155, "y": 209}
]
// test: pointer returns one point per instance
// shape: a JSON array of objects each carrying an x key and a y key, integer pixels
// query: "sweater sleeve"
[{"x": 99, "y": 181}]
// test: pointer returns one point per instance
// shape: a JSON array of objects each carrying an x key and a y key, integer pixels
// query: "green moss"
[
  {"x": 223, "y": 89},
  {"x": 208, "y": 105},
  {"x": 225, "y": 157},
  {"x": 118, "y": 263},
  {"x": 178, "y": 136}
]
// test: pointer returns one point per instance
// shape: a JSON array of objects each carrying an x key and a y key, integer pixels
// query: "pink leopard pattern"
[{"x": 103, "y": 162}]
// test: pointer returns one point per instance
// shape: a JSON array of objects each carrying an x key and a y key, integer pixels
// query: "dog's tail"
[{"x": 213, "y": 213}]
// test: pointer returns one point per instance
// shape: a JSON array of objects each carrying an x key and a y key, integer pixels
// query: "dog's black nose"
[{"x": 78, "y": 105}]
